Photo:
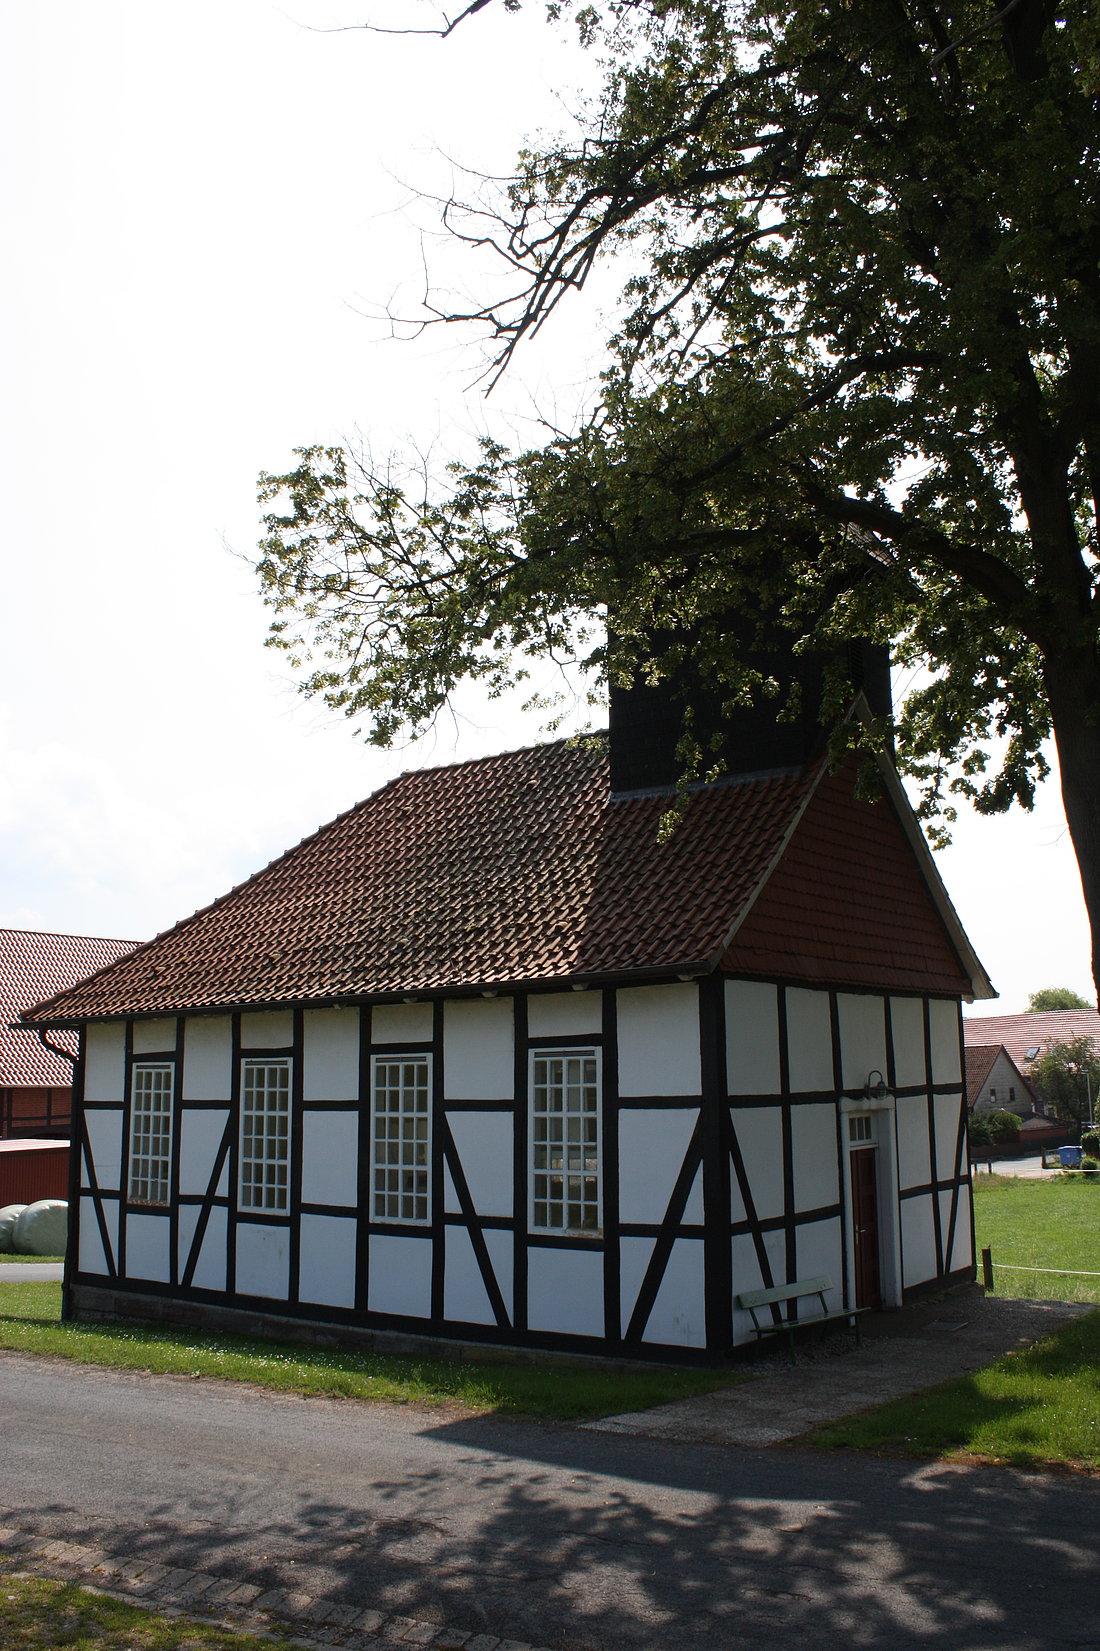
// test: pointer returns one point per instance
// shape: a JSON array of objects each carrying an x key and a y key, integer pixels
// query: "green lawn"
[
  {"x": 1052, "y": 1223},
  {"x": 39, "y": 1259},
  {"x": 1034, "y": 1408},
  {"x": 1037, "y": 1408},
  {"x": 29, "y": 1323},
  {"x": 38, "y": 1615}
]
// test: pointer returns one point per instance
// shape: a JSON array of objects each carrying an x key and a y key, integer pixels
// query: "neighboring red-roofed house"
[
  {"x": 35, "y": 1080},
  {"x": 994, "y": 1083},
  {"x": 489, "y": 1057}
]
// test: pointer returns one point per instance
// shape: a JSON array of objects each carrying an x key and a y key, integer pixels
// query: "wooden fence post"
[{"x": 987, "y": 1270}]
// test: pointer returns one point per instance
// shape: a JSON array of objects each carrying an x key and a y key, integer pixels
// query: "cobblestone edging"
[{"x": 230, "y": 1603}]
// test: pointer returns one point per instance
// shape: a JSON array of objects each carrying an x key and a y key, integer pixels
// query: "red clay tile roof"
[
  {"x": 1022, "y": 1032},
  {"x": 511, "y": 869},
  {"x": 33, "y": 965},
  {"x": 871, "y": 922}
]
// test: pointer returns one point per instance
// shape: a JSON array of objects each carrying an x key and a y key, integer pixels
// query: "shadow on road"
[{"x": 569, "y": 1539}]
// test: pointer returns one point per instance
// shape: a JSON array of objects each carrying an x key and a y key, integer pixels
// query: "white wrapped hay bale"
[
  {"x": 9, "y": 1215},
  {"x": 42, "y": 1228}
]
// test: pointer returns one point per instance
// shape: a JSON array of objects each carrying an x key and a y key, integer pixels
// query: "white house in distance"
[
  {"x": 994, "y": 1083},
  {"x": 486, "y": 1059}
]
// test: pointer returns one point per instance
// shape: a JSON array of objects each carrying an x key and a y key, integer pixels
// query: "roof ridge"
[
  {"x": 65, "y": 934},
  {"x": 295, "y": 848}
]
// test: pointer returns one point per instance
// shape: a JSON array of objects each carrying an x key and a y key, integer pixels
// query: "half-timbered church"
[{"x": 491, "y": 1058}]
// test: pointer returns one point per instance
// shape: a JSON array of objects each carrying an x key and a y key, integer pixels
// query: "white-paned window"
[
  {"x": 565, "y": 1140},
  {"x": 151, "y": 1132},
  {"x": 265, "y": 1134},
  {"x": 861, "y": 1128},
  {"x": 401, "y": 1137}
]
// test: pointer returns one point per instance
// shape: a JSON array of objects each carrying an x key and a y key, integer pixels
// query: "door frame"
[{"x": 883, "y": 1110}]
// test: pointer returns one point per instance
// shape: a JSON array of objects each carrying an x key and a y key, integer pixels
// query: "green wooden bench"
[{"x": 780, "y": 1295}]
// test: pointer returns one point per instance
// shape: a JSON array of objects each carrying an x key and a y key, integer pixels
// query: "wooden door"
[{"x": 865, "y": 1228}]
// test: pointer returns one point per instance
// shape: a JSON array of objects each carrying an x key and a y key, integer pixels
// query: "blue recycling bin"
[{"x": 1070, "y": 1156}]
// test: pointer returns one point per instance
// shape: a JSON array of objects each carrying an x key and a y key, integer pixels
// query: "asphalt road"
[{"x": 555, "y": 1535}]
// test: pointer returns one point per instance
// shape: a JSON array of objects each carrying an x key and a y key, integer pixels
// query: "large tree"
[{"x": 854, "y": 379}]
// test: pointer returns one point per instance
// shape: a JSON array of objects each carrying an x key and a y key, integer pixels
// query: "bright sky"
[{"x": 207, "y": 209}]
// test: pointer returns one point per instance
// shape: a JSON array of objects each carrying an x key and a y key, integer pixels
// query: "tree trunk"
[{"x": 1073, "y": 689}]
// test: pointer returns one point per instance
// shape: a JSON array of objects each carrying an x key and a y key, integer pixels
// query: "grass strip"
[
  {"x": 1036, "y": 1408},
  {"x": 38, "y": 1260},
  {"x": 29, "y": 1323},
  {"x": 1040, "y": 1224},
  {"x": 39, "y": 1615}
]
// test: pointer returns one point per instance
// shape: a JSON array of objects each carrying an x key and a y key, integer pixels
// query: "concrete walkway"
[
  {"x": 31, "y": 1272},
  {"x": 902, "y": 1352}
]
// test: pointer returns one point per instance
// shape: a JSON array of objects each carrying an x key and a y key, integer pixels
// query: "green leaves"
[{"x": 855, "y": 382}]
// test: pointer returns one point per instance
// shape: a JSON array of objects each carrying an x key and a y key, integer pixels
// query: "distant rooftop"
[{"x": 34, "y": 965}]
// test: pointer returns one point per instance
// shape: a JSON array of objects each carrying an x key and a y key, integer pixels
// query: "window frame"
[
  {"x": 246, "y": 1204},
  {"x": 564, "y": 1052},
  {"x": 145, "y": 1137},
  {"x": 401, "y": 1058}
]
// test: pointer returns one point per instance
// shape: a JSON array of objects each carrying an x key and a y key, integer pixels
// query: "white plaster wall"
[
  {"x": 814, "y": 1153},
  {"x": 949, "y": 1157},
  {"x": 943, "y": 1019},
  {"x": 564, "y": 1014},
  {"x": 326, "y": 1260},
  {"x": 330, "y": 1158},
  {"x": 809, "y": 1041},
  {"x": 400, "y": 1277},
  {"x": 90, "y": 1257},
  {"x": 207, "y": 1058},
  {"x": 565, "y": 1291},
  {"x": 659, "y": 1040},
  {"x": 819, "y": 1253},
  {"x": 759, "y": 1131},
  {"x": 273, "y": 1029},
  {"x": 210, "y": 1271},
  {"x": 465, "y": 1298},
  {"x": 401, "y": 1023},
  {"x": 914, "y": 1159},
  {"x": 752, "y": 1038},
  {"x": 105, "y": 1062},
  {"x": 104, "y": 1132},
  {"x": 747, "y": 1274},
  {"x": 200, "y": 1137},
  {"x": 484, "y": 1142},
  {"x": 634, "y": 1255},
  {"x": 330, "y": 1055},
  {"x": 918, "y": 1236},
  {"x": 862, "y": 1038},
  {"x": 652, "y": 1143},
  {"x": 263, "y": 1260},
  {"x": 694, "y": 1209},
  {"x": 945, "y": 1227},
  {"x": 479, "y": 1050},
  {"x": 907, "y": 1028},
  {"x": 148, "y": 1247},
  {"x": 155, "y": 1037},
  {"x": 962, "y": 1250},
  {"x": 678, "y": 1318}
]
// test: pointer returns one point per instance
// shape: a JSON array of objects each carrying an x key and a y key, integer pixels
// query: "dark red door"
[{"x": 865, "y": 1228}]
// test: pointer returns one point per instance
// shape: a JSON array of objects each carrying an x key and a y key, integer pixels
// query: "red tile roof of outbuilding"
[
  {"x": 1022, "y": 1032},
  {"x": 513, "y": 869},
  {"x": 34, "y": 965}
]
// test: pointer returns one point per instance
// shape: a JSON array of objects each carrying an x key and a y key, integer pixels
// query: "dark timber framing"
[{"x": 716, "y": 1156}]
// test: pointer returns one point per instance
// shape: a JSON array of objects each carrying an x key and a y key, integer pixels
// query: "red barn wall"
[{"x": 28, "y": 1172}]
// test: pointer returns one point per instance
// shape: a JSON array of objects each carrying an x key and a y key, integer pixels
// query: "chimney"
[{"x": 646, "y": 721}]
